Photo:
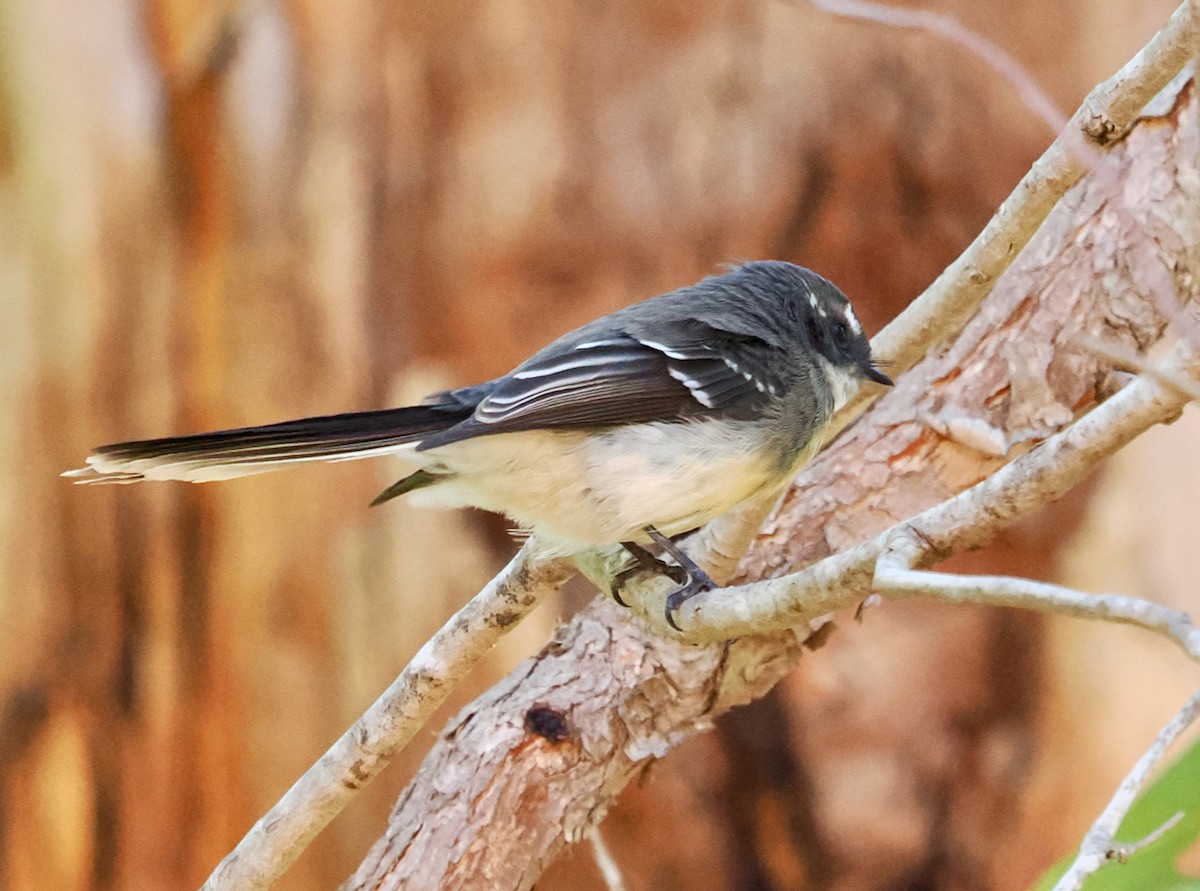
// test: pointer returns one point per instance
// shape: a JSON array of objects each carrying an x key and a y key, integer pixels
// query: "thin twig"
[
  {"x": 894, "y": 579},
  {"x": 1122, "y": 851},
  {"x": 276, "y": 840},
  {"x": 951, "y": 29},
  {"x": 1098, "y": 848}
]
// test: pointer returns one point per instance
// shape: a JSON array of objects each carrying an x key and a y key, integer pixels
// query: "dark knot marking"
[{"x": 548, "y": 723}]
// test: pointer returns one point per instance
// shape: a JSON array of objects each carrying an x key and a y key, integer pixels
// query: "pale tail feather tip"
[{"x": 85, "y": 476}]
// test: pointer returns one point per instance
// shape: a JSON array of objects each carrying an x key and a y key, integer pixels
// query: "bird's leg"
[
  {"x": 644, "y": 561},
  {"x": 695, "y": 580}
]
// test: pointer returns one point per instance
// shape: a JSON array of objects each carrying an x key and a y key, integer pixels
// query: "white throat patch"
[{"x": 843, "y": 384}]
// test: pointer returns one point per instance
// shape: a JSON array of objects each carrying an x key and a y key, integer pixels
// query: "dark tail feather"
[{"x": 247, "y": 450}]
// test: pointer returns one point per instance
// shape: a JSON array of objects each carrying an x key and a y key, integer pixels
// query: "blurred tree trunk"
[{"x": 215, "y": 214}]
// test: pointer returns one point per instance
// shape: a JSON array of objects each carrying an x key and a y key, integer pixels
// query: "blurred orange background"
[{"x": 219, "y": 214}]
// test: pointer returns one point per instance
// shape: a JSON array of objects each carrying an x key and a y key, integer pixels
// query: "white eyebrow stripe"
[{"x": 852, "y": 321}]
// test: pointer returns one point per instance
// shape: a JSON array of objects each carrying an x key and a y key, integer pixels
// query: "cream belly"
[{"x": 581, "y": 491}]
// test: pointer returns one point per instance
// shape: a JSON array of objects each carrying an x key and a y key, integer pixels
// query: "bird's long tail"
[{"x": 246, "y": 450}]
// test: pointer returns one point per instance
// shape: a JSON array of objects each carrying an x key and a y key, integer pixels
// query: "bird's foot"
[
  {"x": 695, "y": 580},
  {"x": 644, "y": 562},
  {"x": 684, "y": 572},
  {"x": 698, "y": 583}
]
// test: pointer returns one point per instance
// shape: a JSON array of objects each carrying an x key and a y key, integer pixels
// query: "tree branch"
[
  {"x": 1098, "y": 848},
  {"x": 278, "y": 838},
  {"x": 949, "y": 28},
  {"x": 896, "y": 582}
]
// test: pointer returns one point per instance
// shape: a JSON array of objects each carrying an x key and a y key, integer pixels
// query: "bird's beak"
[{"x": 872, "y": 373}]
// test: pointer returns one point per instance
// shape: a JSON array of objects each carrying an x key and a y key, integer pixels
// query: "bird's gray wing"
[{"x": 684, "y": 369}]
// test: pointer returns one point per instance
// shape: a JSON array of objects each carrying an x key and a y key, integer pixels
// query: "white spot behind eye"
[{"x": 852, "y": 321}]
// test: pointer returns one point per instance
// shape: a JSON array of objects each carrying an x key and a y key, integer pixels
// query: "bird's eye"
[{"x": 841, "y": 333}]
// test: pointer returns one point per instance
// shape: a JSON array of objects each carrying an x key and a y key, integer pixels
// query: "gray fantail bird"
[{"x": 640, "y": 426}]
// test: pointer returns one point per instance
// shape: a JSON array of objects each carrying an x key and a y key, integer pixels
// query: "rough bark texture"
[
  {"x": 496, "y": 800},
  {"x": 598, "y": 704},
  {"x": 234, "y": 213}
]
